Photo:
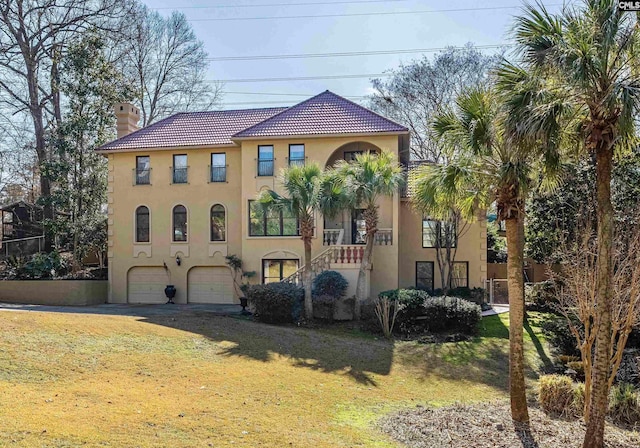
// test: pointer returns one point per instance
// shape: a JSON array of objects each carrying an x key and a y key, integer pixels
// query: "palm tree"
[
  {"x": 366, "y": 179},
  {"x": 485, "y": 166},
  {"x": 580, "y": 73},
  {"x": 307, "y": 191}
]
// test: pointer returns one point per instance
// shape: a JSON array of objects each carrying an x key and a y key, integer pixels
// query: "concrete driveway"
[{"x": 129, "y": 310}]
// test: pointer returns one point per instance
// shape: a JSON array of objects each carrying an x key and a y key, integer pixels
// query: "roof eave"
[
  {"x": 167, "y": 148},
  {"x": 287, "y": 136}
]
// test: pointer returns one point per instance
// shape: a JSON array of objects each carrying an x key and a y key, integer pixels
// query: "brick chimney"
[{"x": 127, "y": 117}]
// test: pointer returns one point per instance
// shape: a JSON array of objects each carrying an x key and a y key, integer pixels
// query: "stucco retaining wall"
[{"x": 54, "y": 292}]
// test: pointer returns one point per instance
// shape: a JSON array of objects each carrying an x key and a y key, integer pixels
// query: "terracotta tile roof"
[
  {"x": 193, "y": 129},
  {"x": 323, "y": 114}
]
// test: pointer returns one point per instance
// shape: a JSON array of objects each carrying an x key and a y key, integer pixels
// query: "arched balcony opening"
[
  {"x": 348, "y": 227},
  {"x": 349, "y": 152}
]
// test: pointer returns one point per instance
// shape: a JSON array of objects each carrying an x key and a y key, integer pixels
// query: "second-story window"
[
  {"x": 218, "y": 167},
  {"x": 265, "y": 160},
  {"x": 296, "y": 155},
  {"x": 179, "y": 174},
  {"x": 143, "y": 170},
  {"x": 179, "y": 223}
]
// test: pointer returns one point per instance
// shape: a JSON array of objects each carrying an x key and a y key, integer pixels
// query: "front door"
[{"x": 358, "y": 227}]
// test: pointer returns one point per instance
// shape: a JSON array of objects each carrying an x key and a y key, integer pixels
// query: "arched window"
[
  {"x": 142, "y": 224},
  {"x": 179, "y": 223},
  {"x": 218, "y": 223}
]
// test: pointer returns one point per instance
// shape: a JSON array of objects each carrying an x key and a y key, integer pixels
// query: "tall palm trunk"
[
  {"x": 306, "y": 229},
  {"x": 308, "y": 300},
  {"x": 371, "y": 227},
  {"x": 515, "y": 258},
  {"x": 597, "y": 407}
]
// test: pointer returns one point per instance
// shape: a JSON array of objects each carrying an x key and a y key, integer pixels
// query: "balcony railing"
[
  {"x": 218, "y": 173},
  {"x": 142, "y": 176},
  {"x": 384, "y": 237},
  {"x": 297, "y": 161},
  {"x": 265, "y": 167},
  {"x": 332, "y": 237},
  {"x": 179, "y": 175},
  {"x": 335, "y": 237}
]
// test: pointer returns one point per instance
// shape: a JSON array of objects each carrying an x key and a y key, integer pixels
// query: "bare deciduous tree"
[
  {"x": 415, "y": 92},
  {"x": 168, "y": 64},
  {"x": 578, "y": 295}
]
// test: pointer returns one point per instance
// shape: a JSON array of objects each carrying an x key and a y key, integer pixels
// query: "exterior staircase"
[{"x": 337, "y": 256}]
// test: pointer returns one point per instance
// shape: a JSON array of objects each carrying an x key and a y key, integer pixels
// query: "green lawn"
[{"x": 196, "y": 380}]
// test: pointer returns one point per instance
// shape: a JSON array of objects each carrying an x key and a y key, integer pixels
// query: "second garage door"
[
  {"x": 146, "y": 285},
  {"x": 210, "y": 285}
]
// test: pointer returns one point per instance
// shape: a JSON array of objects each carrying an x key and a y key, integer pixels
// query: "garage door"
[
  {"x": 210, "y": 285},
  {"x": 146, "y": 285}
]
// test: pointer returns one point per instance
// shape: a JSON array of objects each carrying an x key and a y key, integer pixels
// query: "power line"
[
  {"x": 246, "y": 103},
  {"x": 261, "y": 5},
  {"x": 300, "y": 78},
  {"x": 348, "y": 54},
  {"x": 388, "y": 13},
  {"x": 279, "y": 94}
]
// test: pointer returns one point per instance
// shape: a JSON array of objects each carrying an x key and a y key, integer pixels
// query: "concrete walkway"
[
  {"x": 496, "y": 309},
  {"x": 129, "y": 310}
]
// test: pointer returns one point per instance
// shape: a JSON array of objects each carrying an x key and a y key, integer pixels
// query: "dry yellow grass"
[{"x": 197, "y": 380}]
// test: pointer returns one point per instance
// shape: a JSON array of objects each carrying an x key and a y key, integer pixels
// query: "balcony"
[
  {"x": 218, "y": 173},
  {"x": 297, "y": 161},
  {"x": 265, "y": 167},
  {"x": 142, "y": 176},
  {"x": 335, "y": 237},
  {"x": 179, "y": 175}
]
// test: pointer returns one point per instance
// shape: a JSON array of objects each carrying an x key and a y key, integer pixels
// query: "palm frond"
[{"x": 537, "y": 34}]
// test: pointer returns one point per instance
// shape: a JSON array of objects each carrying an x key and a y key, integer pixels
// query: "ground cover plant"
[{"x": 190, "y": 379}]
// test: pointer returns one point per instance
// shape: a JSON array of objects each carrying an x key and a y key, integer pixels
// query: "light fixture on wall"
[{"x": 178, "y": 260}]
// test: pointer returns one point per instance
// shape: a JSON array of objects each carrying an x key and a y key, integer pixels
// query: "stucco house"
[{"x": 181, "y": 194}]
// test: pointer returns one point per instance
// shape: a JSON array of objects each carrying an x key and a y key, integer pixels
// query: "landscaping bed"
[{"x": 489, "y": 425}]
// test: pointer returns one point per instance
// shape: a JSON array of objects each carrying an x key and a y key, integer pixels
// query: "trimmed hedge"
[
  {"x": 329, "y": 283},
  {"x": 420, "y": 313},
  {"x": 451, "y": 314},
  {"x": 475, "y": 295},
  {"x": 410, "y": 300},
  {"x": 276, "y": 303}
]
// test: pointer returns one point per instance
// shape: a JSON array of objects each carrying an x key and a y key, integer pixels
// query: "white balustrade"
[{"x": 384, "y": 237}]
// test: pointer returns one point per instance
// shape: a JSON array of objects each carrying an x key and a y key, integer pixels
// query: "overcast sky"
[{"x": 258, "y": 33}]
